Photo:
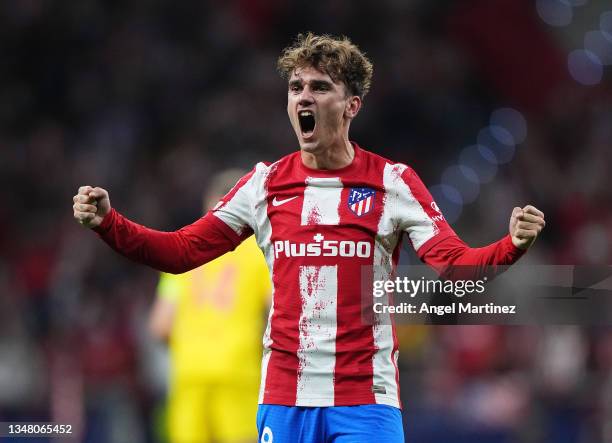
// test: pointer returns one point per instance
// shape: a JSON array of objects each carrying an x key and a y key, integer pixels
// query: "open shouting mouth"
[{"x": 307, "y": 122}]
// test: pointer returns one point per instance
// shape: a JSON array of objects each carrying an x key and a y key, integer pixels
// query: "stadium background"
[{"x": 147, "y": 98}]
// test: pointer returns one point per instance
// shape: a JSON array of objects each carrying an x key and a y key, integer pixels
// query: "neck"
[{"x": 333, "y": 157}]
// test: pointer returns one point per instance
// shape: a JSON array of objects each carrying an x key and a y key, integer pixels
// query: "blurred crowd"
[{"x": 147, "y": 98}]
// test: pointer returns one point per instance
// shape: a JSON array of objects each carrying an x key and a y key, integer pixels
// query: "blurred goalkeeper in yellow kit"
[{"x": 212, "y": 318}]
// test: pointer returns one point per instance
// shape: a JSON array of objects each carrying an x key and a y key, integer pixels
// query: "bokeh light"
[
  {"x": 478, "y": 164},
  {"x": 600, "y": 45},
  {"x": 481, "y": 160},
  {"x": 574, "y": 2},
  {"x": 500, "y": 134},
  {"x": 555, "y": 12},
  {"x": 605, "y": 24},
  {"x": 585, "y": 67},
  {"x": 449, "y": 201},
  {"x": 499, "y": 141},
  {"x": 464, "y": 180},
  {"x": 511, "y": 120}
]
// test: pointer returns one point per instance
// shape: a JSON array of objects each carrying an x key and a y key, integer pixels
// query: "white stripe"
[
  {"x": 360, "y": 210},
  {"x": 386, "y": 240},
  {"x": 321, "y": 201},
  {"x": 383, "y": 367},
  {"x": 368, "y": 201},
  {"x": 262, "y": 227},
  {"x": 406, "y": 209},
  {"x": 267, "y": 353},
  {"x": 317, "y": 348}
]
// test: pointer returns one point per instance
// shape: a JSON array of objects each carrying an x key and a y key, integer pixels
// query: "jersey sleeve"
[
  {"x": 437, "y": 244},
  {"x": 453, "y": 258},
  {"x": 175, "y": 252},
  {"x": 419, "y": 215},
  {"x": 219, "y": 231}
]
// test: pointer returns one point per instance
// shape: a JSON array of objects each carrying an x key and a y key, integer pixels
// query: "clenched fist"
[
  {"x": 525, "y": 226},
  {"x": 90, "y": 206}
]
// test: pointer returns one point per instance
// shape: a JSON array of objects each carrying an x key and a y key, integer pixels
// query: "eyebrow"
[
  {"x": 321, "y": 83},
  {"x": 314, "y": 83}
]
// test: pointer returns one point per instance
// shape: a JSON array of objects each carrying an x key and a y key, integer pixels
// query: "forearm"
[
  {"x": 173, "y": 252},
  {"x": 454, "y": 259}
]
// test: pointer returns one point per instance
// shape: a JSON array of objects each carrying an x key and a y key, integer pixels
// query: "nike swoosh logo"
[{"x": 276, "y": 202}]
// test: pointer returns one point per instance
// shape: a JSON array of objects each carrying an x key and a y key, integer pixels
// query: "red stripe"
[{"x": 281, "y": 377}]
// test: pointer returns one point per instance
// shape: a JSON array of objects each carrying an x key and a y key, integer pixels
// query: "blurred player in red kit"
[{"x": 319, "y": 215}]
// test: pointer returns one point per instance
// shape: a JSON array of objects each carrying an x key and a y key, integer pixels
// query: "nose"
[{"x": 306, "y": 98}]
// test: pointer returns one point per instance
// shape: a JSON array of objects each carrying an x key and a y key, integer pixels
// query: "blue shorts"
[{"x": 334, "y": 424}]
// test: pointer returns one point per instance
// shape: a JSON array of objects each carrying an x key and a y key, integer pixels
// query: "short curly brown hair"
[{"x": 337, "y": 56}]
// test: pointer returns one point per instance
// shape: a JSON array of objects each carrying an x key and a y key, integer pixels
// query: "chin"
[{"x": 309, "y": 146}]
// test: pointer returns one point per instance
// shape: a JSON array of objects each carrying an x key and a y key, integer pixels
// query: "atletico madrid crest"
[{"x": 361, "y": 200}]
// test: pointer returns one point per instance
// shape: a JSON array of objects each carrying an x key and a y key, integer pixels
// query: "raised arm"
[
  {"x": 451, "y": 252},
  {"x": 437, "y": 244},
  {"x": 174, "y": 252}
]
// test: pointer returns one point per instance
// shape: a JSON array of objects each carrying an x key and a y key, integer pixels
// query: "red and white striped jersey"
[{"x": 317, "y": 229}]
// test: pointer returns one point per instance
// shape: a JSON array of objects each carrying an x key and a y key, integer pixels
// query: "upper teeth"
[{"x": 305, "y": 113}]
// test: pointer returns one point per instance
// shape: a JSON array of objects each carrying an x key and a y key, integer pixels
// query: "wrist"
[
  {"x": 514, "y": 245},
  {"x": 107, "y": 222}
]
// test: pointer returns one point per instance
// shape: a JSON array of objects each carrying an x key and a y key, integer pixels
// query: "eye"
[{"x": 295, "y": 88}]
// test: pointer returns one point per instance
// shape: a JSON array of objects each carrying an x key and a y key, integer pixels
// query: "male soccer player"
[
  {"x": 319, "y": 215},
  {"x": 212, "y": 318}
]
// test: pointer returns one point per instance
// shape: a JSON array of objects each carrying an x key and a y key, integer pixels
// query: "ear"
[{"x": 353, "y": 105}]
